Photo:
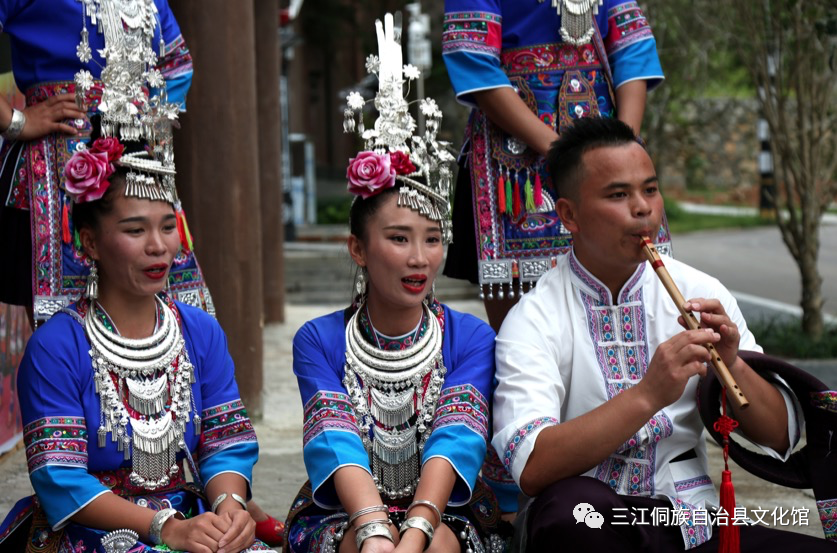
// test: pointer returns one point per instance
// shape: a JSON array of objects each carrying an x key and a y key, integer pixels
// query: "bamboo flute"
[{"x": 735, "y": 393}]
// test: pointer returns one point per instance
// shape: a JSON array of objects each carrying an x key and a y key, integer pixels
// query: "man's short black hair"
[{"x": 564, "y": 156}]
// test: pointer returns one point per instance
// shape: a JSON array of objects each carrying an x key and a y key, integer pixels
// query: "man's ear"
[
  {"x": 567, "y": 211},
  {"x": 356, "y": 250},
  {"x": 88, "y": 243}
]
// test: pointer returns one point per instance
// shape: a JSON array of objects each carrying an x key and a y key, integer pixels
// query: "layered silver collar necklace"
[
  {"x": 155, "y": 370},
  {"x": 392, "y": 404}
]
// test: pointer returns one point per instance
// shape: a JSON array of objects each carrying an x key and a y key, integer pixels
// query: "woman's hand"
[
  {"x": 378, "y": 544},
  {"x": 199, "y": 534},
  {"x": 240, "y": 533},
  {"x": 48, "y": 117},
  {"x": 412, "y": 541}
]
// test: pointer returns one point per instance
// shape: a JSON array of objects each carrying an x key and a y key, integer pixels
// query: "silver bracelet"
[
  {"x": 15, "y": 125},
  {"x": 426, "y": 503},
  {"x": 419, "y": 523},
  {"x": 371, "y": 522},
  {"x": 155, "y": 532},
  {"x": 220, "y": 499},
  {"x": 366, "y": 511},
  {"x": 372, "y": 530}
]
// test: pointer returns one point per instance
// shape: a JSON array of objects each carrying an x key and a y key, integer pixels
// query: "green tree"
[{"x": 790, "y": 50}]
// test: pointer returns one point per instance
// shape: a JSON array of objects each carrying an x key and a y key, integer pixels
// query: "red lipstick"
[
  {"x": 414, "y": 284},
  {"x": 156, "y": 271}
]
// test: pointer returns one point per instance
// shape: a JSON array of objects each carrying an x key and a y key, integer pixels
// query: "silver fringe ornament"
[
  {"x": 155, "y": 371},
  {"x": 395, "y": 413},
  {"x": 576, "y": 19}
]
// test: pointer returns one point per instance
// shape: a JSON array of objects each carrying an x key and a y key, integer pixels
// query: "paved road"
[{"x": 757, "y": 262}]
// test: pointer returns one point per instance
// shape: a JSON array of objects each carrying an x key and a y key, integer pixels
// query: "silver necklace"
[
  {"x": 576, "y": 19},
  {"x": 155, "y": 370},
  {"x": 385, "y": 388}
]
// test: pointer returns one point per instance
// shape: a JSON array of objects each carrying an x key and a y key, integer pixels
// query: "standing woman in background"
[
  {"x": 57, "y": 63},
  {"x": 528, "y": 70}
]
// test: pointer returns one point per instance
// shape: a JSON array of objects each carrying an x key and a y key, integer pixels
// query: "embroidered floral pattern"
[
  {"x": 494, "y": 471},
  {"x": 828, "y": 516},
  {"x": 176, "y": 59},
  {"x": 328, "y": 411},
  {"x": 223, "y": 426},
  {"x": 693, "y": 534},
  {"x": 56, "y": 441},
  {"x": 692, "y": 483},
  {"x": 522, "y": 434},
  {"x": 626, "y": 25},
  {"x": 463, "y": 405},
  {"x": 547, "y": 58},
  {"x": 474, "y": 32},
  {"x": 826, "y": 400}
]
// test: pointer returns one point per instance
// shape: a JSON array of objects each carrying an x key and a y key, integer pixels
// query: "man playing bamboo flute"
[{"x": 595, "y": 414}]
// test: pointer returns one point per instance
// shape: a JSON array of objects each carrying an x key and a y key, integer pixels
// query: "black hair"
[
  {"x": 364, "y": 208},
  {"x": 564, "y": 159},
  {"x": 88, "y": 214}
]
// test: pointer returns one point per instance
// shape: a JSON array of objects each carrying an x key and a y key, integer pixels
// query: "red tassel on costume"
[
  {"x": 183, "y": 231},
  {"x": 65, "y": 225},
  {"x": 729, "y": 536},
  {"x": 501, "y": 194},
  {"x": 516, "y": 200},
  {"x": 538, "y": 190}
]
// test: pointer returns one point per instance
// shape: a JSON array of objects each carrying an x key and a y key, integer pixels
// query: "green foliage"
[
  {"x": 785, "y": 338},
  {"x": 681, "y": 221},
  {"x": 333, "y": 211}
]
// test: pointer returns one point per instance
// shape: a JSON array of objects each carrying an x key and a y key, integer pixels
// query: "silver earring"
[
  {"x": 360, "y": 284},
  {"x": 431, "y": 297},
  {"x": 91, "y": 291}
]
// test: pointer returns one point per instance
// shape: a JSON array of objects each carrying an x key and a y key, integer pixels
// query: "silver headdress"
[
  {"x": 130, "y": 70},
  {"x": 422, "y": 164}
]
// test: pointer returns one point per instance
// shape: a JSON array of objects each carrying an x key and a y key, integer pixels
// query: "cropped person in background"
[{"x": 528, "y": 71}]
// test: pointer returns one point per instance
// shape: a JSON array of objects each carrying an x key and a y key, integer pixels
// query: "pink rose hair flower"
[
  {"x": 401, "y": 163},
  {"x": 370, "y": 173},
  {"x": 86, "y": 175}
]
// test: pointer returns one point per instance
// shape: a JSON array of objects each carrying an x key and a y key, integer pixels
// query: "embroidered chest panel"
[{"x": 620, "y": 343}]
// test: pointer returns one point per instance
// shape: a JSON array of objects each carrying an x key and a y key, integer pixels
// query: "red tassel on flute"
[
  {"x": 501, "y": 193},
  {"x": 729, "y": 536}
]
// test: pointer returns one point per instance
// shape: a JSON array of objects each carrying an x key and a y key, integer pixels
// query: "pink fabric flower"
[
  {"x": 370, "y": 173},
  {"x": 110, "y": 146},
  {"x": 87, "y": 175},
  {"x": 401, "y": 163}
]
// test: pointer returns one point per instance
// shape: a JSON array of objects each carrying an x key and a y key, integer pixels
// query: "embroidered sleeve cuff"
[{"x": 517, "y": 442}]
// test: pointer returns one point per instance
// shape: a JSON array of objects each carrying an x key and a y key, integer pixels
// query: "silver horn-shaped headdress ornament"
[
  {"x": 392, "y": 153},
  {"x": 128, "y": 113}
]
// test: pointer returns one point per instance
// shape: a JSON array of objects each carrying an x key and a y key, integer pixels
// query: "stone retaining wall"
[{"x": 711, "y": 143}]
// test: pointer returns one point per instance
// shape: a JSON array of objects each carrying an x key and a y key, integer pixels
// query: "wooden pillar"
[
  {"x": 217, "y": 158},
  {"x": 268, "y": 61}
]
